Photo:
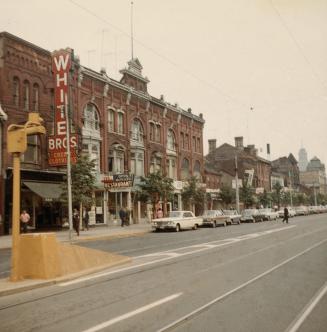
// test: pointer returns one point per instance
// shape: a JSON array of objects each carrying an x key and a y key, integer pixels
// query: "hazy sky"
[{"x": 219, "y": 57}]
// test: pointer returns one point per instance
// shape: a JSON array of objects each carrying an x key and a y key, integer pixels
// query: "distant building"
[
  {"x": 303, "y": 160},
  {"x": 288, "y": 167},
  {"x": 251, "y": 168},
  {"x": 315, "y": 176}
]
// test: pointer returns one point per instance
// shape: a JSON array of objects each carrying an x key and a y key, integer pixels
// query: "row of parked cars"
[{"x": 180, "y": 220}]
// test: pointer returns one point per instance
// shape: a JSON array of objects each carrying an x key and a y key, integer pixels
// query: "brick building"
[
  {"x": 222, "y": 159},
  {"x": 118, "y": 123}
]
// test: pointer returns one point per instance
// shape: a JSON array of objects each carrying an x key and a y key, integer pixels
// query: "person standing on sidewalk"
[
  {"x": 285, "y": 215},
  {"x": 24, "y": 219},
  {"x": 76, "y": 221},
  {"x": 122, "y": 216},
  {"x": 85, "y": 218}
]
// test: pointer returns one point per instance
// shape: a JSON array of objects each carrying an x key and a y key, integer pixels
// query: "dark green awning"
[{"x": 46, "y": 190}]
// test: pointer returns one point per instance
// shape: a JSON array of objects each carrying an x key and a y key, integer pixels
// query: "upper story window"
[
  {"x": 120, "y": 123},
  {"x": 198, "y": 144},
  {"x": 116, "y": 159},
  {"x": 26, "y": 95},
  {"x": 152, "y": 131},
  {"x": 194, "y": 143},
  {"x": 16, "y": 91},
  {"x": 32, "y": 154},
  {"x": 155, "y": 132},
  {"x": 171, "y": 142},
  {"x": 137, "y": 163},
  {"x": 36, "y": 97},
  {"x": 111, "y": 120},
  {"x": 197, "y": 169},
  {"x": 137, "y": 131},
  {"x": 158, "y": 133},
  {"x": 186, "y": 142},
  {"x": 155, "y": 165},
  {"x": 185, "y": 171},
  {"x": 91, "y": 117}
]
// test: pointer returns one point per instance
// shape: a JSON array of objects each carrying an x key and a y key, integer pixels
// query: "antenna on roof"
[{"x": 132, "y": 32}]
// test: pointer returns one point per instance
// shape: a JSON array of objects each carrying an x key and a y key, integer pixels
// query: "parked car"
[
  {"x": 234, "y": 216},
  {"x": 177, "y": 220},
  {"x": 251, "y": 215},
  {"x": 268, "y": 214},
  {"x": 214, "y": 217},
  {"x": 301, "y": 210}
]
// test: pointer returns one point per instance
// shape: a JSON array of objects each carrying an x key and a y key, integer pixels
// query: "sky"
[{"x": 254, "y": 68}]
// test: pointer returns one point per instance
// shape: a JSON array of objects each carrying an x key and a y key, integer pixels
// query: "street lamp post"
[{"x": 236, "y": 187}]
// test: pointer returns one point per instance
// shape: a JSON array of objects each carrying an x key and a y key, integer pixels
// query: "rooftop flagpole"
[{"x": 132, "y": 31}]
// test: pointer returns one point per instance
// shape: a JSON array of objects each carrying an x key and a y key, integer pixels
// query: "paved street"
[{"x": 265, "y": 276}]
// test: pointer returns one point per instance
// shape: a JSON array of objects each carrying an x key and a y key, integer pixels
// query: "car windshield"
[
  {"x": 175, "y": 214},
  {"x": 249, "y": 212},
  {"x": 211, "y": 213},
  {"x": 229, "y": 212}
]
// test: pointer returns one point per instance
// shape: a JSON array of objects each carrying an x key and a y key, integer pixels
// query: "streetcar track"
[{"x": 137, "y": 271}]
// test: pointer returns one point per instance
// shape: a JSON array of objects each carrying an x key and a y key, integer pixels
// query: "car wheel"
[
  {"x": 178, "y": 228},
  {"x": 214, "y": 224},
  {"x": 157, "y": 230},
  {"x": 225, "y": 223},
  {"x": 239, "y": 222},
  {"x": 195, "y": 226}
]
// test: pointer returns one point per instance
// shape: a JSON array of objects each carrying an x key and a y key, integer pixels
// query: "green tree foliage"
[
  {"x": 227, "y": 195},
  {"x": 276, "y": 194},
  {"x": 83, "y": 182},
  {"x": 246, "y": 196},
  {"x": 193, "y": 195},
  {"x": 156, "y": 187},
  {"x": 265, "y": 199}
]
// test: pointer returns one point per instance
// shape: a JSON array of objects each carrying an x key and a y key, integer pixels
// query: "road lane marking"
[
  {"x": 169, "y": 254},
  {"x": 132, "y": 313},
  {"x": 295, "y": 325},
  {"x": 207, "y": 305}
]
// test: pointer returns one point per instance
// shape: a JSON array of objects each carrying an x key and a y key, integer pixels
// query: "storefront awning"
[{"x": 46, "y": 190}]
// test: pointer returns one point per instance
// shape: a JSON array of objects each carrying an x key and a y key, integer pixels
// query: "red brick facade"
[{"x": 118, "y": 123}]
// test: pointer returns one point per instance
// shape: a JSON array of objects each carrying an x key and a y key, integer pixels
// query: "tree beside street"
[
  {"x": 227, "y": 195},
  {"x": 83, "y": 182},
  {"x": 193, "y": 195},
  {"x": 247, "y": 196},
  {"x": 155, "y": 188}
]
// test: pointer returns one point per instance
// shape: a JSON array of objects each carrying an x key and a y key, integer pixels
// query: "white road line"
[
  {"x": 168, "y": 255},
  {"x": 307, "y": 310},
  {"x": 132, "y": 313},
  {"x": 207, "y": 305}
]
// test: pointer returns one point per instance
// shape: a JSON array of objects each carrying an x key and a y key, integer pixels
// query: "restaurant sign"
[{"x": 118, "y": 181}]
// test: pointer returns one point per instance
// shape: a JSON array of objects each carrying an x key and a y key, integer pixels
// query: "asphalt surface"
[{"x": 265, "y": 276}]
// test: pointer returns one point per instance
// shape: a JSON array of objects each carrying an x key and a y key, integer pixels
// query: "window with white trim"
[
  {"x": 137, "y": 131},
  {"x": 171, "y": 142},
  {"x": 120, "y": 123},
  {"x": 185, "y": 170},
  {"x": 26, "y": 95},
  {"x": 91, "y": 117},
  {"x": 111, "y": 120}
]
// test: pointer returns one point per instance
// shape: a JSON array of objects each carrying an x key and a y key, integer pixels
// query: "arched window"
[
  {"x": 16, "y": 91},
  {"x": 26, "y": 95},
  {"x": 91, "y": 117},
  {"x": 171, "y": 142},
  {"x": 36, "y": 97},
  {"x": 185, "y": 171},
  {"x": 137, "y": 131},
  {"x": 197, "y": 169}
]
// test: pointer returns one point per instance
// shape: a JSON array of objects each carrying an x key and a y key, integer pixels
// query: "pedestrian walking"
[
  {"x": 24, "y": 219},
  {"x": 85, "y": 218},
  {"x": 285, "y": 215},
  {"x": 76, "y": 221},
  {"x": 122, "y": 216}
]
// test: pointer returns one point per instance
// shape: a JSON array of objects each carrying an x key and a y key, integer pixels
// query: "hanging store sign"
[
  {"x": 118, "y": 181},
  {"x": 57, "y": 144}
]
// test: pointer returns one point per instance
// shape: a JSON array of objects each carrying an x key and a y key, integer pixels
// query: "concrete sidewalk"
[{"x": 94, "y": 233}]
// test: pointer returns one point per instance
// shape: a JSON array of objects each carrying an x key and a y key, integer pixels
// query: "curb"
[{"x": 68, "y": 277}]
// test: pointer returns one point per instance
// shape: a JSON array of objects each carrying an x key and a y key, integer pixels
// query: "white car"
[
  {"x": 214, "y": 217},
  {"x": 269, "y": 214},
  {"x": 177, "y": 220},
  {"x": 234, "y": 216}
]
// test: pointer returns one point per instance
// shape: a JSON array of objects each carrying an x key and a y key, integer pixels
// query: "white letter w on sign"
[{"x": 61, "y": 62}]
